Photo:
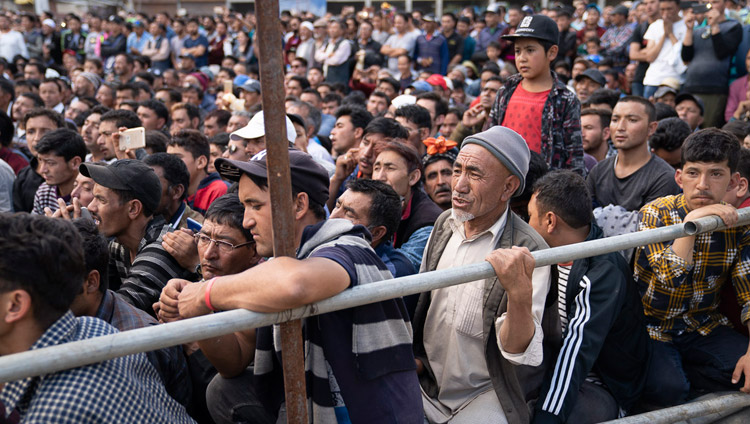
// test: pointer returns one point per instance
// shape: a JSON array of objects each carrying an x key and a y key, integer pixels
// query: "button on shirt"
[{"x": 453, "y": 337}]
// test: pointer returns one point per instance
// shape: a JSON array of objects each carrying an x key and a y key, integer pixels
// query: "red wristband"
[{"x": 208, "y": 294}]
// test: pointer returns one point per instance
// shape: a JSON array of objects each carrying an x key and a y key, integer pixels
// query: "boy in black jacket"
[{"x": 602, "y": 364}]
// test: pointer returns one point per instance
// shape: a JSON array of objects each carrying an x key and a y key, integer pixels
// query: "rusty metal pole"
[{"x": 280, "y": 187}]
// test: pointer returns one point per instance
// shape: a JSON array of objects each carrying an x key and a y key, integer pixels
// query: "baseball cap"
[
  {"x": 663, "y": 90},
  {"x": 255, "y": 128},
  {"x": 129, "y": 175},
  {"x": 438, "y": 80},
  {"x": 621, "y": 10},
  {"x": 536, "y": 26},
  {"x": 687, "y": 96},
  {"x": 116, "y": 19},
  {"x": 594, "y": 75},
  {"x": 251, "y": 85},
  {"x": 493, "y": 8},
  {"x": 307, "y": 176},
  {"x": 430, "y": 17},
  {"x": 421, "y": 86}
]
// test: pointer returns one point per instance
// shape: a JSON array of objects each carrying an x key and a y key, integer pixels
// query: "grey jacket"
[{"x": 517, "y": 387}]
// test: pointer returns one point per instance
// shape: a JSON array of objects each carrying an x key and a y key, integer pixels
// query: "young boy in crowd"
[{"x": 535, "y": 103}]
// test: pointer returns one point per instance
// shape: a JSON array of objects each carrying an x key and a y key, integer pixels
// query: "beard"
[{"x": 462, "y": 216}]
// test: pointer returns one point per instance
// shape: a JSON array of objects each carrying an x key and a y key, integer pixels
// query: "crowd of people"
[{"x": 416, "y": 143}]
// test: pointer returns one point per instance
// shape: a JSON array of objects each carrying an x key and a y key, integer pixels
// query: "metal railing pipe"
[
  {"x": 84, "y": 352},
  {"x": 689, "y": 410}
]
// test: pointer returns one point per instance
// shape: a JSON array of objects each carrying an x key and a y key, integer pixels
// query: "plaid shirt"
[
  {"x": 679, "y": 297},
  {"x": 562, "y": 146},
  {"x": 615, "y": 43},
  {"x": 121, "y": 390}
]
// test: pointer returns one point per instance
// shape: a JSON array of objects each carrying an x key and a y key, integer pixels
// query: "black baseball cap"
[
  {"x": 127, "y": 175},
  {"x": 687, "y": 96},
  {"x": 307, "y": 175},
  {"x": 594, "y": 75},
  {"x": 540, "y": 27}
]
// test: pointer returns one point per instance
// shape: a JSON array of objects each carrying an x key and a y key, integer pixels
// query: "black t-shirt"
[
  {"x": 653, "y": 180},
  {"x": 637, "y": 37}
]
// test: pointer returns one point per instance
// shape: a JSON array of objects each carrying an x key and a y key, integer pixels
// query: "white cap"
[
  {"x": 49, "y": 22},
  {"x": 403, "y": 100},
  {"x": 255, "y": 128},
  {"x": 308, "y": 25}
]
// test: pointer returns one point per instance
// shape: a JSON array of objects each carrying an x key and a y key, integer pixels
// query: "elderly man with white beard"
[{"x": 479, "y": 345}]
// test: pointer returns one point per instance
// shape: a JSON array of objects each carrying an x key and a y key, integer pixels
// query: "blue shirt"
[
  {"x": 189, "y": 42},
  {"x": 138, "y": 43}
]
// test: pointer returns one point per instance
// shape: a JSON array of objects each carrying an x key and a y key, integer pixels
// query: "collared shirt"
[
  {"x": 616, "y": 41},
  {"x": 681, "y": 297},
  {"x": 453, "y": 333},
  {"x": 121, "y": 390}
]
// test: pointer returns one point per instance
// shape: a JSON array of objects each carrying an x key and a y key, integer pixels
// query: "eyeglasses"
[
  {"x": 232, "y": 148},
  {"x": 224, "y": 246}
]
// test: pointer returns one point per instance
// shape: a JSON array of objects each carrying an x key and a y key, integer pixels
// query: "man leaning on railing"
[{"x": 695, "y": 349}]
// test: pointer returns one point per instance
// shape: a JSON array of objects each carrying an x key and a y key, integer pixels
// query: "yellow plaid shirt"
[{"x": 679, "y": 297}]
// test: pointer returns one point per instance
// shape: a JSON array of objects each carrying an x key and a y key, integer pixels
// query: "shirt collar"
[
  {"x": 107, "y": 307},
  {"x": 496, "y": 230}
]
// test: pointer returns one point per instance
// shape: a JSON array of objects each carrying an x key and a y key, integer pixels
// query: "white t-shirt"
[
  {"x": 668, "y": 63},
  {"x": 12, "y": 44}
]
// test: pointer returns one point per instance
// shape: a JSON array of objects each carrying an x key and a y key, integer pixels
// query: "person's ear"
[
  {"x": 201, "y": 162},
  {"x": 550, "y": 222},
  {"x": 678, "y": 177},
  {"x": 378, "y": 233},
  {"x": 176, "y": 191},
  {"x": 91, "y": 283},
  {"x": 652, "y": 127},
  {"x": 301, "y": 205},
  {"x": 358, "y": 133},
  {"x": 552, "y": 53},
  {"x": 734, "y": 181},
  {"x": 511, "y": 184},
  {"x": 414, "y": 177},
  {"x": 15, "y": 305},
  {"x": 606, "y": 134},
  {"x": 135, "y": 208},
  {"x": 742, "y": 187}
]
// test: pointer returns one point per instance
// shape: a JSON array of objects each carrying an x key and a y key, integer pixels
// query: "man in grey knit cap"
[{"x": 479, "y": 344}]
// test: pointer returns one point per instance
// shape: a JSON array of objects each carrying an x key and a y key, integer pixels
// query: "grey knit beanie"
[{"x": 508, "y": 147}]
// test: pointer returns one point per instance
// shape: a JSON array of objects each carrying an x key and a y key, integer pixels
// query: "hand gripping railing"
[{"x": 84, "y": 352}]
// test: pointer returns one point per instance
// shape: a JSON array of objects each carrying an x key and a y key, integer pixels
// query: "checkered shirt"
[
  {"x": 46, "y": 197},
  {"x": 679, "y": 297},
  {"x": 121, "y": 390}
]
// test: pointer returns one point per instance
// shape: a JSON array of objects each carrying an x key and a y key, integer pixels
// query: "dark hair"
[
  {"x": 193, "y": 141},
  {"x": 221, "y": 140},
  {"x": 358, "y": 116},
  {"x": 565, "y": 193},
  {"x": 314, "y": 92},
  {"x": 48, "y": 113},
  {"x": 196, "y": 89},
  {"x": 297, "y": 120},
  {"x": 332, "y": 97},
  {"x": 229, "y": 71},
  {"x": 441, "y": 106},
  {"x": 144, "y": 87},
  {"x": 664, "y": 111},
  {"x": 62, "y": 142},
  {"x": 416, "y": 114},
  {"x": 158, "y": 107},
  {"x": 228, "y": 210},
  {"x": 39, "y": 67},
  {"x": 537, "y": 168},
  {"x": 392, "y": 82},
  {"x": 174, "y": 95},
  {"x": 604, "y": 96},
  {"x": 7, "y": 86},
  {"x": 100, "y": 109},
  {"x": 43, "y": 257},
  {"x": 192, "y": 110},
  {"x": 303, "y": 82},
  {"x": 148, "y": 77},
  {"x": 743, "y": 165},
  {"x": 301, "y": 59},
  {"x": 134, "y": 90},
  {"x": 175, "y": 170},
  {"x": 406, "y": 151},
  {"x": 604, "y": 115},
  {"x": 712, "y": 145},
  {"x": 95, "y": 251},
  {"x": 156, "y": 141},
  {"x": 222, "y": 116},
  {"x": 650, "y": 111},
  {"x": 388, "y": 127},
  {"x": 123, "y": 118},
  {"x": 738, "y": 128},
  {"x": 382, "y": 95},
  {"x": 669, "y": 135},
  {"x": 6, "y": 130},
  {"x": 313, "y": 117},
  {"x": 385, "y": 204},
  {"x": 132, "y": 104}
]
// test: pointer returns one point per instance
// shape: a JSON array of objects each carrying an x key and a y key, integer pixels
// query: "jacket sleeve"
[
  {"x": 572, "y": 134},
  {"x": 114, "y": 48},
  {"x": 590, "y": 317},
  {"x": 150, "y": 272}
]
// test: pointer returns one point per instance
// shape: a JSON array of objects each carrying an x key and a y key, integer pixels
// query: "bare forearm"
[
  {"x": 683, "y": 247},
  {"x": 518, "y": 328},
  {"x": 227, "y": 355}
]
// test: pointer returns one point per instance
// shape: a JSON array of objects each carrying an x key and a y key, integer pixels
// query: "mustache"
[
  {"x": 460, "y": 196},
  {"x": 443, "y": 189}
]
